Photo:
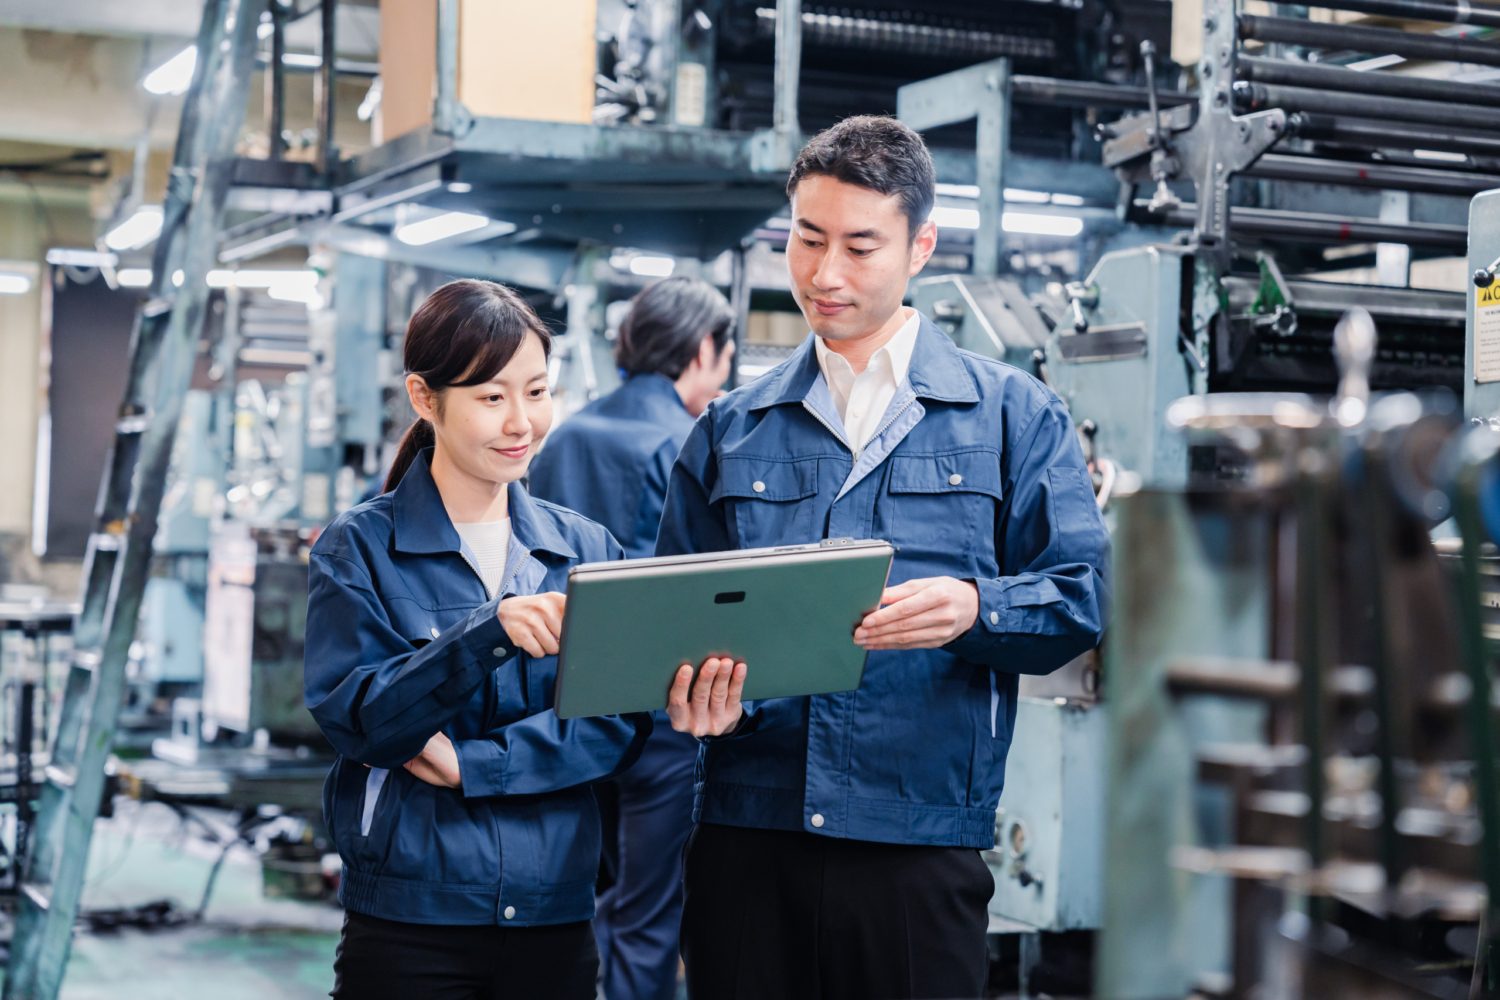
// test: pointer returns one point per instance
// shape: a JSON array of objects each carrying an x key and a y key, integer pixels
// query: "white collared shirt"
[{"x": 862, "y": 399}]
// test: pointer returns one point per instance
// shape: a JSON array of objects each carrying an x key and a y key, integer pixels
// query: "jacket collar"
[
  {"x": 422, "y": 525},
  {"x": 936, "y": 372},
  {"x": 655, "y": 390}
]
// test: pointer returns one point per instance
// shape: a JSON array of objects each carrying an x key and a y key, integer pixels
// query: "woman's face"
[{"x": 492, "y": 430}]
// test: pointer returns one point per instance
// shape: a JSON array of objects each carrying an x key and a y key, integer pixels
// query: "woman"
[{"x": 460, "y": 803}]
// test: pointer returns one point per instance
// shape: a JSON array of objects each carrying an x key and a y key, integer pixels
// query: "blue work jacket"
[
  {"x": 402, "y": 641},
  {"x": 976, "y": 473},
  {"x": 613, "y": 458}
]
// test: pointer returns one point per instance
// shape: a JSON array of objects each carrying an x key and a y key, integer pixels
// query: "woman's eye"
[
  {"x": 538, "y": 393},
  {"x": 492, "y": 398}
]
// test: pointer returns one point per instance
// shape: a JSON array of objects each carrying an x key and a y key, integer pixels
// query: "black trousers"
[
  {"x": 379, "y": 959},
  {"x": 790, "y": 915}
]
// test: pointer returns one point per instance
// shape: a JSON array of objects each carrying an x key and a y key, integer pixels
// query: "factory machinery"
[{"x": 1282, "y": 783}]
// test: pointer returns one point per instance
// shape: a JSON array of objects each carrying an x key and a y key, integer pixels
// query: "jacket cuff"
[
  {"x": 481, "y": 771},
  {"x": 749, "y": 722},
  {"x": 998, "y": 616}
]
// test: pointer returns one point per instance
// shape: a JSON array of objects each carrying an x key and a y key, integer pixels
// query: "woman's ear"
[{"x": 423, "y": 399}]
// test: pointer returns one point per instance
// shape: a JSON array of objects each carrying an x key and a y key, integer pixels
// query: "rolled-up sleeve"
[{"x": 1050, "y": 602}]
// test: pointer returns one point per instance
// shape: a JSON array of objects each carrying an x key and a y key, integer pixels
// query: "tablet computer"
[{"x": 789, "y": 613}]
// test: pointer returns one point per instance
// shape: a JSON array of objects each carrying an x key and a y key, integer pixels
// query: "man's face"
[{"x": 849, "y": 257}]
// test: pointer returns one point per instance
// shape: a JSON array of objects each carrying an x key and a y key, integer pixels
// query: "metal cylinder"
[
  {"x": 1268, "y": 222},
  {"x": 1389, "y": 176},
  {"x": 1297, "y": 74},
  {"x": 328, "y": 154},
  {"x": 1377, "y": 41},
  {"x": 1390, "y": 135},
  {"x": 275, "y": 78},
  {"x": 1086, "y": 94},
  {"x": 1442, "y": 11},
  {"x": 788, "y": 65},
  {"x": 1257, "y": 96}
]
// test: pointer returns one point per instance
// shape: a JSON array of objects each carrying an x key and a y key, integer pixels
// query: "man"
[
  {"x": 837, "y": 846},
  {"x": 610, "y": 461}
]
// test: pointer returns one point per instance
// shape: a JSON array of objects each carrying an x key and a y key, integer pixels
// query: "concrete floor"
[{"x": 248, "y": 947}]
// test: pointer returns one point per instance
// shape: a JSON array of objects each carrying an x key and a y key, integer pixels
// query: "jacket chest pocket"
[
  {"x": 770, "y": 501},
  {"x": 945, "y": 508}
]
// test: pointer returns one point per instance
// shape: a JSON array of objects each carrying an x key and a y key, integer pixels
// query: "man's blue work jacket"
[
  {"x": 402, "y": 641},
  {"x": 976, "y": 473},
  {"x": 613, "y": 458}
]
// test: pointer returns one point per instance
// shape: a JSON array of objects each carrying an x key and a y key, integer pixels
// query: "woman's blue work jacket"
[
  {"x": 976, "y": 473},
  {"x": 403, "y": 641}
]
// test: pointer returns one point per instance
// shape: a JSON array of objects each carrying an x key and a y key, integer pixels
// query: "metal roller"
[
  {"x": 1321, "y": 228},
  {"x": 1442, "y": 11},
  {"x": 1259, "y": 69},
  {"x": 1390, "y": 135},
  {"x": 1376, "y": 41},
  {"x": 851, "y": 31},
  {"x": 1391, "y": 176},
  {"x": 1086, "y": 94},
  {"x": 1256, "y": 96}
]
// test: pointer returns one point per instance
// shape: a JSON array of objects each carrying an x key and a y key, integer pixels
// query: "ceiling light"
[
  {"x": 174, "y": 75},
  {"x": 1378, "y": 62},
  {"x": 460, "y": 187},
  {"x": 79, "y": 257},
  {"x": 948, "y": 217},
  {"x": 133, "y": 277},
  {"x": 136, "y": 231},
  {"x": 440, "y": 227},
  {"x": 14, "y": 283},
  {"x": 1440, "y": 155},
  {"x": 650, "y": 266},
  {"x": 1035, "y": 224}
]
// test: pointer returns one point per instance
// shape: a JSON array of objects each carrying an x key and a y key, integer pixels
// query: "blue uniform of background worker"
[
  {"x": 611, "y": 461},
  {"x": 837, "y": 846}
]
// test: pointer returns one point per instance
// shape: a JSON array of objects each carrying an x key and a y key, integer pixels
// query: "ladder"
[{"x": 119, "y": 551}]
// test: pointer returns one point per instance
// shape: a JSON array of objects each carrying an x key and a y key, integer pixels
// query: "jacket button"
[
  {"x": 955, "y": 479},
  {"x": 817, "y": 819},
  {"x": 510, "y": 913},
  {"x": 758, "y": 486},
  {"x": 435, "y": 632},
  {"x": 994, "y": 618},
  {"x": 499, "y": 652}
]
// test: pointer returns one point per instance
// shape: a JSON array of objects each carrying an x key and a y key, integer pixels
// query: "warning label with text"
[{"x": 1487, "y": 333}]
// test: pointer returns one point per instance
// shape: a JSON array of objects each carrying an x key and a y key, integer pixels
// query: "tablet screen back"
[{"x": 788, "y": 613}]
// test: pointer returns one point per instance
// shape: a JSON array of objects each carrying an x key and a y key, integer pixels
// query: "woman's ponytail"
[{"x": 417, "y": 437}]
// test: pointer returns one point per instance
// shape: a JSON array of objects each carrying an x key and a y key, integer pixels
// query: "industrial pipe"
[
  {"x": 1377, "y": 41},
  {"x": 1259, "y": 69}
]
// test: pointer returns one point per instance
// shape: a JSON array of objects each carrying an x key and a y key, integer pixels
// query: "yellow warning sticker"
[{"x": 1487, "y": 333}]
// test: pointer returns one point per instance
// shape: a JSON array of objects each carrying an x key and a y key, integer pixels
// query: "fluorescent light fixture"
[
  {"x": 133, "y": 277},
  {"x": 174, "y": 75},
  {"x": 1021, "y": 195},
  {"x": 136, "y": 231},
  {"x": 224, "y": 278},
  {"x": 650, "y": 266},
  {"x": 948, "y": 217},
  {"x": 79, "y": 257},
  {"x": 460, "y": 187},
  {"x": 14, "y": 283},
  {"x": 1440, "y": 155},
  {"x": 1027, "y": 223},
  {"x": 1071, "y": 200},
  {"x": 440, "y": 227},
  {"x": 1036, "y": 224},
  {"x": 1379, "y": 62}
]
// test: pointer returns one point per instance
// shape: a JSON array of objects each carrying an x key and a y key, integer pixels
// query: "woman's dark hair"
[
  {"x": 873, "y": 152},
  {"x": 463, "y": 334},
  {"x": 667, "y": 322}
]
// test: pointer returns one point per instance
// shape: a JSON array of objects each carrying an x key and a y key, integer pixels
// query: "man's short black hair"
[
  {"x": 873, "y": 152},
  {"x": 666, "y": 323}
]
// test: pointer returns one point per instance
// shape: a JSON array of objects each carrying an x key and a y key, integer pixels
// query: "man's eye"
[
  {"x": 861, "y": 252},
  {"x": 810, "y": 244}
]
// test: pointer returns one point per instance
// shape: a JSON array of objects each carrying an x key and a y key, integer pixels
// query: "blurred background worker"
[{"x": 611, "y": 461}]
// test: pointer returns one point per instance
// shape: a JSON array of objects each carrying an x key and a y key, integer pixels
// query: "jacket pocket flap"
[
  {"x": 975, "y": 471},
  {"x": 766, "y": 478}
]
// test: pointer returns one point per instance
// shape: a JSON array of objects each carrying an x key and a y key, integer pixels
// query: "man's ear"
[
  {"x": 923, "y": 244},
  {"x": 422, "y": 398}
]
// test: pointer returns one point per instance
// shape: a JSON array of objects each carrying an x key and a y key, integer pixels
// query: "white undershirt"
[
  {"x": 862, "y": 399},
  {"x": 490, "y": 542}
]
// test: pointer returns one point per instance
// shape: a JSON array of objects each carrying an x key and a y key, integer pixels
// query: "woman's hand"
[
  {"x": 713, "y": 707},
  {"x": 533, "y": 623},
  {"x": 437, "y": 764}
]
